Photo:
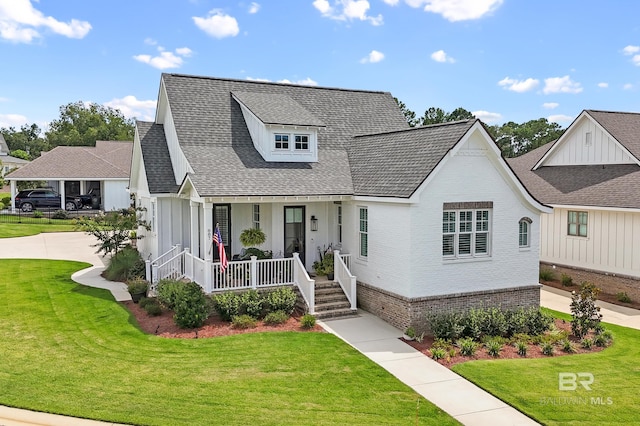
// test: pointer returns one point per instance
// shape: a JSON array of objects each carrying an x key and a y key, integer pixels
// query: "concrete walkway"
[{"x": 367, "y": 333}]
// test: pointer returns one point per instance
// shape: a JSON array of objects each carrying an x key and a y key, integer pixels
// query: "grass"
[
  {"x": 10, "y": 230},
  {"x": 531, "y": 385},
  {"x": 70, "y": 349}
]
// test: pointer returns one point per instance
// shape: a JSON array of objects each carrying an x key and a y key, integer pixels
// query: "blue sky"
[{"x": 504, "y": 60}]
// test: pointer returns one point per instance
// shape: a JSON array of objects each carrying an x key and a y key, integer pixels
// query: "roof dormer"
[{"x": 281, "y": 129}]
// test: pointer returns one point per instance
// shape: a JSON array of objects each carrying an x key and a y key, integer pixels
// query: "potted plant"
[
  {"x": 325, "y": 267},
  {"x": 137, "y": 288},
  {"x": 409, "y": 333},
  {"x": 250, "y": 238}
]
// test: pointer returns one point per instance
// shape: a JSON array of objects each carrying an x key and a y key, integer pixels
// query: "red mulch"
[
  {"x": 508, "y": 351},
  {"x": 607, "y": 293},
  {"x": 164, "y": 326}
]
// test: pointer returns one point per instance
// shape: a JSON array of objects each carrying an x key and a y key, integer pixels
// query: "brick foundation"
[{"x": 401, "y": 312}]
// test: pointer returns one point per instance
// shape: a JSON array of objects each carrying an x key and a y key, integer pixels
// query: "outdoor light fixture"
[{"x": 314, "y": 223}]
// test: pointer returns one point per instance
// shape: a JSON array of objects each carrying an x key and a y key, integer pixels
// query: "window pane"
[
  {"x": 447, "y": 245},
  {"x": 583, "y": 230},
  {"x": 482, "y": 220},
  {"x": 572, "y": 229},
  {"x": 582, "y": 218},
  {"x": 482, "y": 246},
  {"x": 466, "y": 221},
  {"x": 364, "y": 249},
  {"x": 524, "y": 234},
  {"x": 464, "y": 244},
  {"x": 572, "y": 217},
  {"x": 448, "y": 222}
]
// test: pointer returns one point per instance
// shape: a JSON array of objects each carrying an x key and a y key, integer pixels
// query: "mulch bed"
[
  {"x": 607, "y": 293},
  {"x": 164, "y": 326},
  {"x": 508, "y": 351}
]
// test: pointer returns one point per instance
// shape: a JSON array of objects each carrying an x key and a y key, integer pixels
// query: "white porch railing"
[
  {"x": 151, "y": 266},
  {"x": 344, "y": 277},
  {"x": 346, "y": 258},
  {"x": 306, "y": 285}
]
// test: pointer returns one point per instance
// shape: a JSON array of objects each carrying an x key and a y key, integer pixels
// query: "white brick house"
[{"x": 431, "y": 217}]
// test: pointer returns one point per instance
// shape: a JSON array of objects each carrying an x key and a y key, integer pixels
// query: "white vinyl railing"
[
  {"x": 346, "y": 258},
  {"x": 344, "y": 277},
  {"x": 306, "y": 285}
]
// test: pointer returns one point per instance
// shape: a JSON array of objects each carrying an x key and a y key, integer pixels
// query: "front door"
[
  {"x": 294, "y": 240},
  {"x": 222, "y": 216}
]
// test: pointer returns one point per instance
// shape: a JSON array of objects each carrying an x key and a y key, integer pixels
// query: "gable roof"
[
  {"x": 215, "y": 140},
  {"x": 155, "y": 152},
  {"x": 611, "y": 185},
  {"x": 394, "y": 164},
  {"x": 107, "y": 160},
  {"x": 277, "y": 109},
  {"x": 623, "y": 126}
]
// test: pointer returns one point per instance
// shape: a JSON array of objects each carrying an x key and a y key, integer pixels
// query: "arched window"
[{"x": 524, "y": 234}]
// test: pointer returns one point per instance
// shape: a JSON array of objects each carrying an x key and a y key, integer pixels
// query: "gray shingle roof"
[
  {"x": 396, "y": 163},
  {"x": 273, "y": 108},
  {"x": 107, "y": 160},
  {"x": 156, "y": 157},
  {"x": 616, "y": 185},
  {"x": 215, "y": 139},
  {"x": 624, "y": 126}
]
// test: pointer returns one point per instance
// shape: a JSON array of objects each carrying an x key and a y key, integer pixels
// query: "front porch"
[{"x": 255, "y": 274}]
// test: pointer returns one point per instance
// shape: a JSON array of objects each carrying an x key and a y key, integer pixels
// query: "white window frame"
[
  {"x": 463, "y": 230},
  {"x": 308, "y": 142},
  {"x": 580, "y": 227},
  {"x": 339, "y": 223},
  {"x": 256, "y": 216},
  {"x": 288, "y": 141},
  {"x": 524, "y": 233},
  {"x": 363, "y": 232}
]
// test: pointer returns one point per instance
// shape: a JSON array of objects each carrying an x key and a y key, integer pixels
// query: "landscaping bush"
[
  {"x": 566, "y": 280},
  {"x": 125, "y": 265},
  {"x": 494, "y": 346},
  {"x": 153, "y": 308},
  {"x": 6, "y": 201},
  {"x": 586, "y": 343},
  {"x": 137, "y": 286},
  {"x": 448, "y": 326},
  {"x": 538, "y": 321},
  {"x": 227, "y": 305},
  {"x": 438, "y": 353},
  {"x": 144, "y": 301},
  {"x": 60, "y": 214},
  {"x": 168, "y": 291},
  {"x": 603, "y": 339},
  {"x": 308, "y": 321},
  {"x": 191, "y": 309},
  {"x": 567, "y": 346},
  {"x": 244, "y": 321},
  {"x": 251, "y": 303},
  {"x": 282, "y": 299},
  {"x": 623, "y": 297},
  {"x": 585, "y": 314},
  {"x": 37, "y": 214},
  {"x": 546, "y": 274},
  {"x": 547, "y": 349},
  {"x": 522, "y": 348},
  {"x": 467, "y": 346},
  {"x": 276, "y": 317}
]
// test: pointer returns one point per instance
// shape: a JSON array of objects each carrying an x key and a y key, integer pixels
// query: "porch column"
[
  {"x": 194, "y": 237},
  {"x": 83, "y": 187},
  {"x": 13, "y": 196},
  {"x": 207, "y": 244},
  {"x": 63, "y": 195}
]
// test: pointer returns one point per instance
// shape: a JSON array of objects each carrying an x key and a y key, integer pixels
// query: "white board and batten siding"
[
  {"x": 116, "y": 195},
  {"x": 588, "y": 143},
  {"x": 612, "y": 244}
]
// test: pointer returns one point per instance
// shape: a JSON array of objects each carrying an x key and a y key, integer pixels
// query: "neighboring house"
[
  {"x": 591, "y": 177},
  {"x": 431, "y": 218},
  {"x": 75, "y": 170},
  {"x": 7, "y": 162}
]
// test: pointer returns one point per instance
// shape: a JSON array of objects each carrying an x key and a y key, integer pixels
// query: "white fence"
[{"x": 344, "y": 277}]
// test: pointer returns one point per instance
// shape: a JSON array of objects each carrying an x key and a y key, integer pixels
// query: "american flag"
[{"x": 217, "y": 238}]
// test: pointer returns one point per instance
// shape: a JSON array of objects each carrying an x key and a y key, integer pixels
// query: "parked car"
[
  {"x": 91, "y": 199},
  {"x": 31, "y": 199}
]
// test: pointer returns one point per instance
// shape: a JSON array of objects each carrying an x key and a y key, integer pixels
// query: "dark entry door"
[
  {"x": 294, "y": 240},
  {"x": 222, "y": 216}
]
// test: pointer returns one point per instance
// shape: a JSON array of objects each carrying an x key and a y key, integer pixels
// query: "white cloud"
[
  {"x": 519, "y": 86},
  {"x": 347, "y": 10},
  {"x": 131, "y": 107},
  {"x": 150, "y": 41},
  {"x": 12, "y": 120},
  {"x": 603, "y": 85},
  {"x": 254, "y": 8},
  {"x": 304, "y": 82},
  {"x": 218, "y": 24},
  {"x": 165, "y": 59},
  {"x": 441, "y": 56},
  {"x": 630, "y": 50},
  {"x": 373, "y": 57},
  {"x": 628, "y": 86},
  {"x": 457, "y": 10},
  {"x": 391, "y": 2},
  {"x": 20, "y": 22},
  {"x": 560, "y": 118},
  {"x": 550, "y": 105},
  {"x": 486, "y": 116},
  {"x": 636, "y": 60},
  {"x": 561, "y": 85}
]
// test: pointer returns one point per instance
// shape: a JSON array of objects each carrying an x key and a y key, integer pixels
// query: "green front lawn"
[
  {"x": 10, "y": 230},
  {"x": 72, "y": 350},
  {"x": 532, "y": 385}
]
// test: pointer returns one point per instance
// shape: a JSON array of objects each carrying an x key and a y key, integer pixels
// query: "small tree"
[
  {"x": 112, "y": 229},
  {"x": 585, "y": 315}
]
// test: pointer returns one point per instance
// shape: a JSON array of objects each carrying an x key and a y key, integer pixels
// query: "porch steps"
[{"x": 331, "y": 302}]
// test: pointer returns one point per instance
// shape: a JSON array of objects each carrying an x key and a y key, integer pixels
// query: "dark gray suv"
[{"x": 31, "y": 199}]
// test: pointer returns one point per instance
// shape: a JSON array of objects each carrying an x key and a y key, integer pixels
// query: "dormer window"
[
  {"x": 302, "y": 142},
  {"x": 282, "y": 141}
]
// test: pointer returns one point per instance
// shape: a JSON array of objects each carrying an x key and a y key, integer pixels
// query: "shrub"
[
  {"x": 37, "y": 214},
  {"x": 546, "y": 274},
  {"x": 603, "y": 339},
  {"x": 585, "y": 315},
  {"x": 6, "y": 201},
  {"x": 537, "y": 321},
  {"x": 441, "y": 343},
  {"x": 567, "y": 346},
  {"x": 438, "y": 353},
  {"x": 60, "y": 214},
  {"x": 623, "y": 297},
  {"x": 282, "y": 299},
  {"x": 276, "y": 317},
  {"x": 137, "y": 286},
  {"x": 125, "y": 265},
  {"x": 227, "y": 305},
  {"x": 522, "y": 348},
  {"x": 410, "y": 332},
  {"x": 494, "y": 346},
  {"x": 191, "y": 309},
  {"x": 448, "y": 326},
  {"x": 251, "y": 303},
  {"x": 567, "y": 281},
  {"x": 168, "y": 292},
  {"x": 308, "y": 321},
  {"x": 243, "y": 321},
  {"x": 586, "y": 343},
  {"x": 467, "y": 346},
  {"x": 547, "y": 349},
  {"x": 153, "y": 308},
  {"x": 144, "y": 301}
]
